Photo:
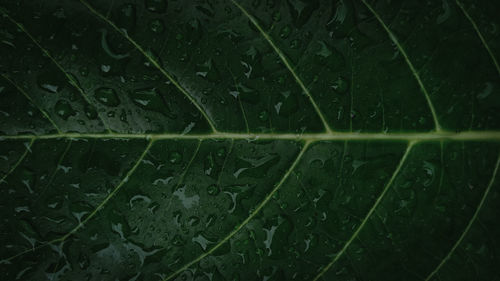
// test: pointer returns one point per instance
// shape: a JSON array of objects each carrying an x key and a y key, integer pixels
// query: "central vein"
[{"x": 423, "y": 136}]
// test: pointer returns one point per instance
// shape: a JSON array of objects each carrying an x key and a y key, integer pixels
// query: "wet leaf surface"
[{"x": 249, "y": 140}]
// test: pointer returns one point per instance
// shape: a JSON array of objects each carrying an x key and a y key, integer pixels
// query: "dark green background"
[{"x": 108, "y": 152}]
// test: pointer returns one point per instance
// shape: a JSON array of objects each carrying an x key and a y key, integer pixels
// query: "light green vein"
[
  {"x": 409, "y": 63},
  {"x": 184, "y": 172},
  {"x": 153, "y": 61},
  {"x": 245, "y": 222},
  {"x": 117, "y": 188},
  {"x": 239, "y": 100},
  {"x": 181, "y": 178},
  {"x": 469, "y": 225},
  {"x": 18, "y": 162},
  {"x": 225, "y": 161},
  {"x": 71, "y": 80},
  {"x": 287, "y": 64},
  {"x": 23, "y": 92},
  {"x": 480, "y": 35},
  {"x": 92, "y": 214},
  {"x": 368, "y": 215},
  {"x": 52, "y": 176},
  {"x": 309, "y": 137}
]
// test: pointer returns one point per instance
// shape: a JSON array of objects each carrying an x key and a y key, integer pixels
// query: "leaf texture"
[{"x": 249, "y": 140}]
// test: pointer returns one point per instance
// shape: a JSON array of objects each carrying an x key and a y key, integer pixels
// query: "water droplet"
[
  {"x": 245, "y": 93},
  {"x": 430, "y": 171},
  {"x": 156, "y": 26},
  {"x": 28, "y": 179},
  {"x": 193, "y": 220},
  {"x": 221, "y": 152},
  {"x": 84, "y": 71},
  {"x": 208, "y": 70},
  {"x": 277, "y": 231},
  {"x": 152, "y": 99},
  {"x": 90, "y": 112},
  {"x": 486, "y": 92},
  {"x": 105, "y": 68},
  {"x": 295, "y": 44},
  {"x": 263, "y": 116},
  {"x": 340, "y": 85},
  {"x": 210, "y": 220},
  {"x": 323, "y": 51},
  {"x": 233, "y": 196},
  {"x": 285, "y": 31},
  {"x": 64, "y": 109},
  {"x": 311, "y": 222},
  {"x": 213, "y": 190},
  {"x": 123, "y": 116},
  {"x": 289, "y": 104},
  {"x": 209, "y": 165},
  {"x": 156, "y": 6},
  {"x": 178, "y": 241},
  {"x": 107, "y": 96},
  {"x": 354, "y": 113},
  {"x": 152, "y": 57},
  {"x": 139, "y": 198},
  {"x": 108, "y": 50},
  {"x": 187, "y": 201},
  {"x": 202, "y": 241},
  {"x": 276, "y": 16},
  {"x": 175, "y": 157},
  {"x": 51, "y": 83}
]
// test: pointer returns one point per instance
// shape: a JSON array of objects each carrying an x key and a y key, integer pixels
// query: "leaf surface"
[{"x": 249, "y": 140}]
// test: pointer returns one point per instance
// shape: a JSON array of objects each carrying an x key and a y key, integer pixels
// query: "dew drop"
[
  {"x": 105, "y": 68},
  {"x": 175, "y": 157},
  {"x": 202, "y": 241},
  {"x": 323, "y": 50},
  {"x": 193, "y": 220},
  {"x": 285, "y": 31},
  {"x": 84, "y": 71},
  {"x": 64, "y": 109},
  {"x": 295, "y": 44},
  {"x": 90, "y": 112},
  {"x": 210, "y": 220},
  {"x": 212, "y": 190},
  {"x": 156, "y": 6},
  {"x": 156, "y": 26},
  {"x": 221, "y": 152},
  {"x": 178, "y": 241},
  {"x": 28, "y": 178},
  {"x": 107, "y": 96},
  {"x": 430, "y": 171},
  {"x": 50, "y": 83},
  {"x": 263, "y": 116},
  {"x": 152, "y": 99},
  {"x": 340, "y": 85},
  {"x": 276, "y": 16},
  {"x": 288, "y": 105}
]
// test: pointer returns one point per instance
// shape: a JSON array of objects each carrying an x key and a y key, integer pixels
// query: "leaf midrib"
[{"x": 492, "y": 135}]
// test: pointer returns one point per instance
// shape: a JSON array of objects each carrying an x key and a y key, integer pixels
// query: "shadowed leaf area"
[{"x": 273, "y": 140}]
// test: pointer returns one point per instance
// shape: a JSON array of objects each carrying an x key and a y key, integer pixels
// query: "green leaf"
[{"x": 249, "y": 140}]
